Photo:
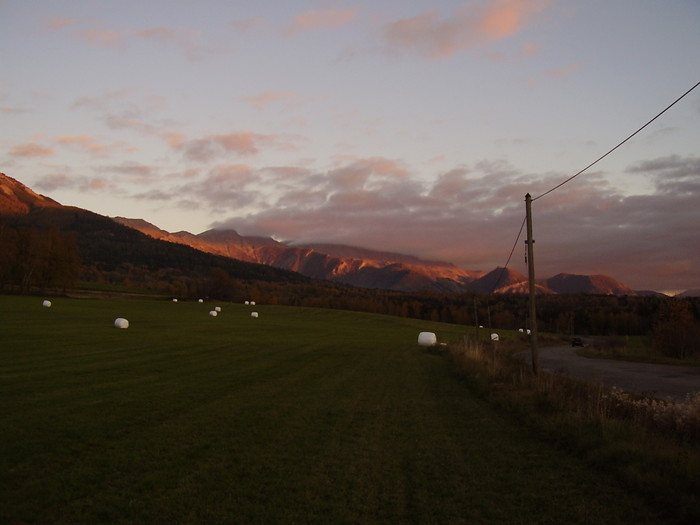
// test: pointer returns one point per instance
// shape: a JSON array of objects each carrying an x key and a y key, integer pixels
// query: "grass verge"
[{"x": 651, "y": 446}]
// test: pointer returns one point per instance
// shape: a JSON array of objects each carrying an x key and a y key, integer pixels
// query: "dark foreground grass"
[{"x": 299, "y": 416}]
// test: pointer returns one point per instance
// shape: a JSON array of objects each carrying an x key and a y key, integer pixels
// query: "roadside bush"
[{"x": 681, "y": 420}]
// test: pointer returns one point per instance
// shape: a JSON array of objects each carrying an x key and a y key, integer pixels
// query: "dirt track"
[{"x": 661, "y": 381}]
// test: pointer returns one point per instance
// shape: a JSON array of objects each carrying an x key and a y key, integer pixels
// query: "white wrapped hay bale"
[
  {"x": 494, "y": 337},
  {"x": 247, "y": 302},
  {"x": 427, "y": 339},
  {"x": 252, "y": 303},
  {"x": 201, "y": 301},
  {"x": 46, "y": 304},
  {"x": 174, "y": 300},
  {"x": 213, "y": 313},
  {"x": 120, "y": 322},
  {"x": 217, "y": 308},
  {"x": 253, "y": 314}
]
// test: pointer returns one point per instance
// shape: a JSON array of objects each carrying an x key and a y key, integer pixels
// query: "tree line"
[
  {"x": 97, "y": 250},
  {"x": 32, "y": 257}
]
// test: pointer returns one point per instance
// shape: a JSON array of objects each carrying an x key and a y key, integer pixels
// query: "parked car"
[{"x": 577, "y": 341}]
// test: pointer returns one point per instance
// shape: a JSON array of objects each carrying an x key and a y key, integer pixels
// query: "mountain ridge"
[
  {"x": 369, "y": 268},
  {"x": 15, "y": 197},
  {"x": 364, "y": 268},
  {"x": 340, "y": 263}
]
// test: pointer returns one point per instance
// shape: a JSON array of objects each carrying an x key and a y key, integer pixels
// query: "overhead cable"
[
  {"x": 500, "y": 275},
  {"x": 620, "y": 144}
]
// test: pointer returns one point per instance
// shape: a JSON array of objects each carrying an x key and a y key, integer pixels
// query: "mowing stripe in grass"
[{"x": 300, "y": 416}]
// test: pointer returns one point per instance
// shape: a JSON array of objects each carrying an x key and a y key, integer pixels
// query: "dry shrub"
[
  {"x": 495, "y": 371},
  {"x": 681, "y": 420}
]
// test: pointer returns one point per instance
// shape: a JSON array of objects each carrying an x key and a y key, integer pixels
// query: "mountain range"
[
  {"x": 374, "y": 269},
  {"x": 338, "y": 263}
]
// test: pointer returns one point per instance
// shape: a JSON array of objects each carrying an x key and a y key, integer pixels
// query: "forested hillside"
[
  {"x": 52, "y": 248},
  {"x": 57, "y": 246}
]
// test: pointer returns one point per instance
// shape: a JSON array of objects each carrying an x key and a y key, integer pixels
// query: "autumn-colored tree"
[
  {"x": 30, "y": 257},
  {"x": 677, "y": 332}
]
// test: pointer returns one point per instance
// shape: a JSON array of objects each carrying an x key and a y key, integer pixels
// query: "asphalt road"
[{"x": 661, "y": 381}]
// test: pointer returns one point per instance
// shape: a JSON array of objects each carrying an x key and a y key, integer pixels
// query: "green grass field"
[{"x": 299, "y": 416}]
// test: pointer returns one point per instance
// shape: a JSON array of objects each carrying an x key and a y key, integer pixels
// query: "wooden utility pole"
[
  {"x": 476, "y": 322},
  {"x": 531, "y": 279}
]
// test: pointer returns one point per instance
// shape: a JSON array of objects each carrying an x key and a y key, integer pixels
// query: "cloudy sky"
[{"x": 405, "y": 125}]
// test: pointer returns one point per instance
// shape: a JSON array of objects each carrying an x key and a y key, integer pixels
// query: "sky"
[{"x": 402, "y": 125}]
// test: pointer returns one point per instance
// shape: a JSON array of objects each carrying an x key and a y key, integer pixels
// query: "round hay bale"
[
  {"x": 253, "y": 314},
  {"x": 217, "y": 308},
  {"x": 252, "y": 303},
  {"x": 120, "y": 322},
  {"x": 247, "y": 302},
  {"x": 427, "y": 339},
  {"x": 46, "y": 304},
  {"x": 201, "y": 301},
  {"x": 174, "y": 300},
  {"x": 213, "y": 313},
  {"x": 494, "y": 337}
]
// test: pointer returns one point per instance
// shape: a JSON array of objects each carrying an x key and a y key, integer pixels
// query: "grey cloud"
[
  {"x": 55, "y": 182},
  {"x": 154, "y": 195},
  {"x": 224, "y": 188},
  {"x": 240, "y": 143},
  {"x": 672, "y": 174},
  {"x": 471, "y": 216},
  {"x": 82, "y": 184}
]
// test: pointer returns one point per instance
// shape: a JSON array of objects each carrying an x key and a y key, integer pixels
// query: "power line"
[
  {"x": 500, "y": 276},
  {"x": 520, "y": 232},
  {"x": 620, "y": 144}
]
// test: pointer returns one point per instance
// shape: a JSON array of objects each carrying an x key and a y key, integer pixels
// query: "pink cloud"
[
  {"x": 321, "y": 19},
  {"x": 95, "y": 34},
  {"x": 57, "y": 23},
  {"x": 245, "y": 143},
  {"x": 31, "y": 149},
  {"x": 506, "y": 17},
  {"x": 263, "y": 100},
  {"x": 84, "y": 142},
  {"x": 108, "y": 38},
  {"x": 175, "y": 139},
  {"x": 564, "y": 71},
  {"x": 241, "y": 143},
  {"x": 469, "y": 26},
  {"x": 11, "y": 110},
  {"x": 185, "y": 39},
  {"x": 247, "y": 24}
]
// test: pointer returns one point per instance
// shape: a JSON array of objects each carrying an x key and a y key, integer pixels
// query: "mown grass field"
[{"x": 299, "y": 416}]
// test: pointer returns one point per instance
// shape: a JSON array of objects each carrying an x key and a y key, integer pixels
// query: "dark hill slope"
[{"x": 104, "y": 243}]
